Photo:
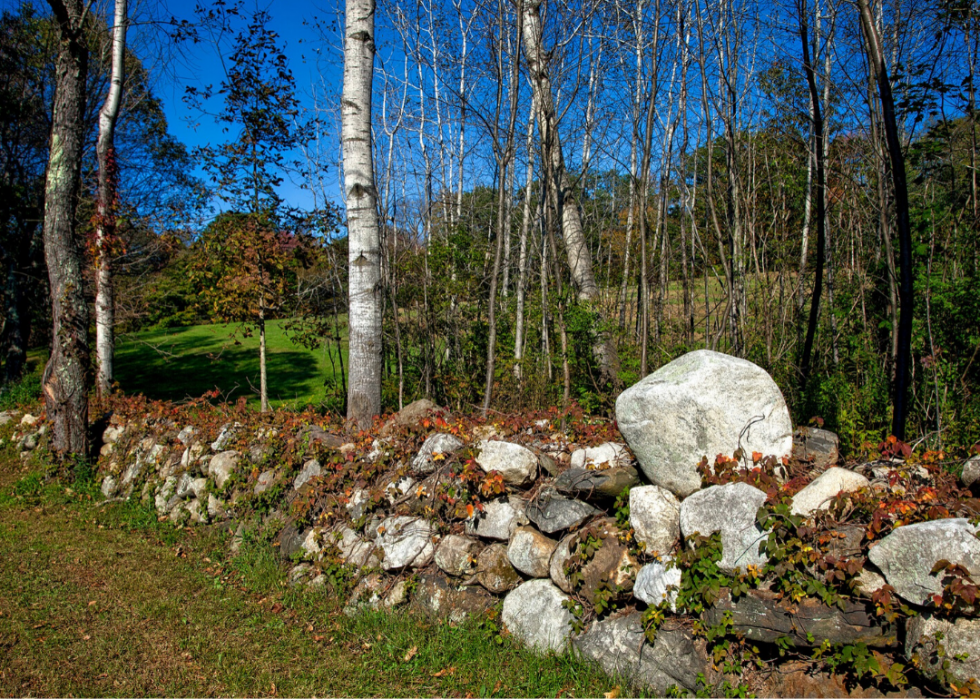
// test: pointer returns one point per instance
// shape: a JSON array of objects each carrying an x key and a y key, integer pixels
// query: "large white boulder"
[
  {"x": 700, "y": 405},
  {"x": 534, "y": 614}
]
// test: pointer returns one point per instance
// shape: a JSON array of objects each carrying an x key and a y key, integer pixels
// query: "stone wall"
[{"x": 667, "y": 568}]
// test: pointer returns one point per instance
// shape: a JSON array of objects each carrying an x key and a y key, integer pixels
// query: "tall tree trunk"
[
  {"x": 504, "y": 157},
  {"x": 522, "y": 260},
  {"x": 263, "y": 375},
  {"x": 66, "y": 374},
  {"x": 579, "y": 258},
  {"x": 818, "y": 195},
  {"x": 897, "y": 160},
  {"x": 105, "y": 231},
  {"x": 364, "y": 315}
]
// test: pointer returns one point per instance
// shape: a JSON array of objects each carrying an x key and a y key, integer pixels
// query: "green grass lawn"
[
  {"x": 180, "y": 363},
  {"x": 107, "y": 601}
]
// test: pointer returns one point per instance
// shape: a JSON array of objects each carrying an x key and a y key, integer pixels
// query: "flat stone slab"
[
  {"x": 585, "y": 483},
  {"x": 552, "y": 512},
  {"x": 761, "y": 616}
]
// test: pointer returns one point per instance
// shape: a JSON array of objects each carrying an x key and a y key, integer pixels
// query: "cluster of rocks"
[{"x": 549, "y": 542}]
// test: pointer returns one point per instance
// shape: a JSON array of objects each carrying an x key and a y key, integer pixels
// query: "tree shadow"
[{"x": 183, "y": 365}]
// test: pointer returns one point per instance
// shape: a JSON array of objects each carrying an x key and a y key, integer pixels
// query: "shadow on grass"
[{"x": 188, "y": 364}]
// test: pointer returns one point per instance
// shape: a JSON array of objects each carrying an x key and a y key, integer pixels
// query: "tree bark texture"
[
  {"x": 106, "y": 207},
  {"x": 364, "y": 313},
  {"x": 817, "y": 157},
  {"x": 903, "y": 356},
  {"x": 579, "y": 257},
  {"x": 65, "y": 380}
]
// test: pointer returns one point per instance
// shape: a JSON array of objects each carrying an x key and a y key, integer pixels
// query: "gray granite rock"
[
  {"x": 353, "y": 550},
  {"x": 498, "y": 521},
  {"x": 674, "y": 659},
  {"x": 530, "y": 552},
  {"x": 552, "y": 512},
  {"x": 222, "y": 466},
  {"x": 518, "y": 465},
  {"x": 655, "y": 517},
  {"x": 456, "y": 555},
  {"x": 435, "y": 446},
  {"x": 406, "y": 542},
  {"x": 609, "y": 483},
  {"x": 614, "y": 645},
  {"x": 821, "y": 491},
  {"x": 658, "y": 582},
  {"x": 608, "y": 455},
  {"x": 730, "y": 509},
  {"x": 534, "y": 614},
  {"x": 701, "y": 405},
  {"x": 438, "y": 597},
  {"x": 311, "y": 469},
  {"x": 611, "y": 564},
  {"x": 971, "y": 472},
  {"x": 265, "y": 481},
  {"x": 817, "y": 447},
  {"x": 494, "y": 571},
  {"x": 907, "y": 555},
  {"x": 227, "y": 433},
  {"x": 960, "y": 641}
]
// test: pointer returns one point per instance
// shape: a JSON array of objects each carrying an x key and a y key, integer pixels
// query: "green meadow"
[{"x": 181, "y": 363}]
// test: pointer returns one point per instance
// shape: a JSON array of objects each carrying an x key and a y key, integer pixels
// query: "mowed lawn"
[{"x": 181, "y": 363}]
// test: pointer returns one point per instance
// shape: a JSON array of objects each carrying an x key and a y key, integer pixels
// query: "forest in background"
[{"x": 689, "y": 136}]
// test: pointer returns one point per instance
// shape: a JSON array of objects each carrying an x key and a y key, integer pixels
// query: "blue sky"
[{"x": 313, "y": 61}]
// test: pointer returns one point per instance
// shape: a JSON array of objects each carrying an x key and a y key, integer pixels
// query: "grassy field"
[
  {"x": 181, "y": 363},
  {"x": 107, "y": 601}
]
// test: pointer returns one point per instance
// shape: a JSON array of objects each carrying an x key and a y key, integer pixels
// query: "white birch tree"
[
  {"x": 106, "y": 204},
  {"x": 360, "y": 197}
]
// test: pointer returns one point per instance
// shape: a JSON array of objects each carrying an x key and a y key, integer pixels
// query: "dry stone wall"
[{"x": 638, "y": 554}]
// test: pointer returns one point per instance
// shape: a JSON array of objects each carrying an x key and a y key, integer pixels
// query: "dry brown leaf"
[
  {"x": 412, "y": 652},
  {"x": 612, "y": 693}
]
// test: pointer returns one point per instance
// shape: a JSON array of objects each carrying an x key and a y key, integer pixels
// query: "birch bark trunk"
[
  {"x": 579, "y": 257},
  {"x": 364, "y": 315},
  {"x": 106, "y": 226}
]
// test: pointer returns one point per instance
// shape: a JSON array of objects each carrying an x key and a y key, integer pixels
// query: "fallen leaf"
[
  {"x": 412, "y": 652},
  {"x": 612, "y": 693},
  {"x": 86, "y": 637},
  {"x": 276, "y": 608},
  {"x": 445, "y": 671}
]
